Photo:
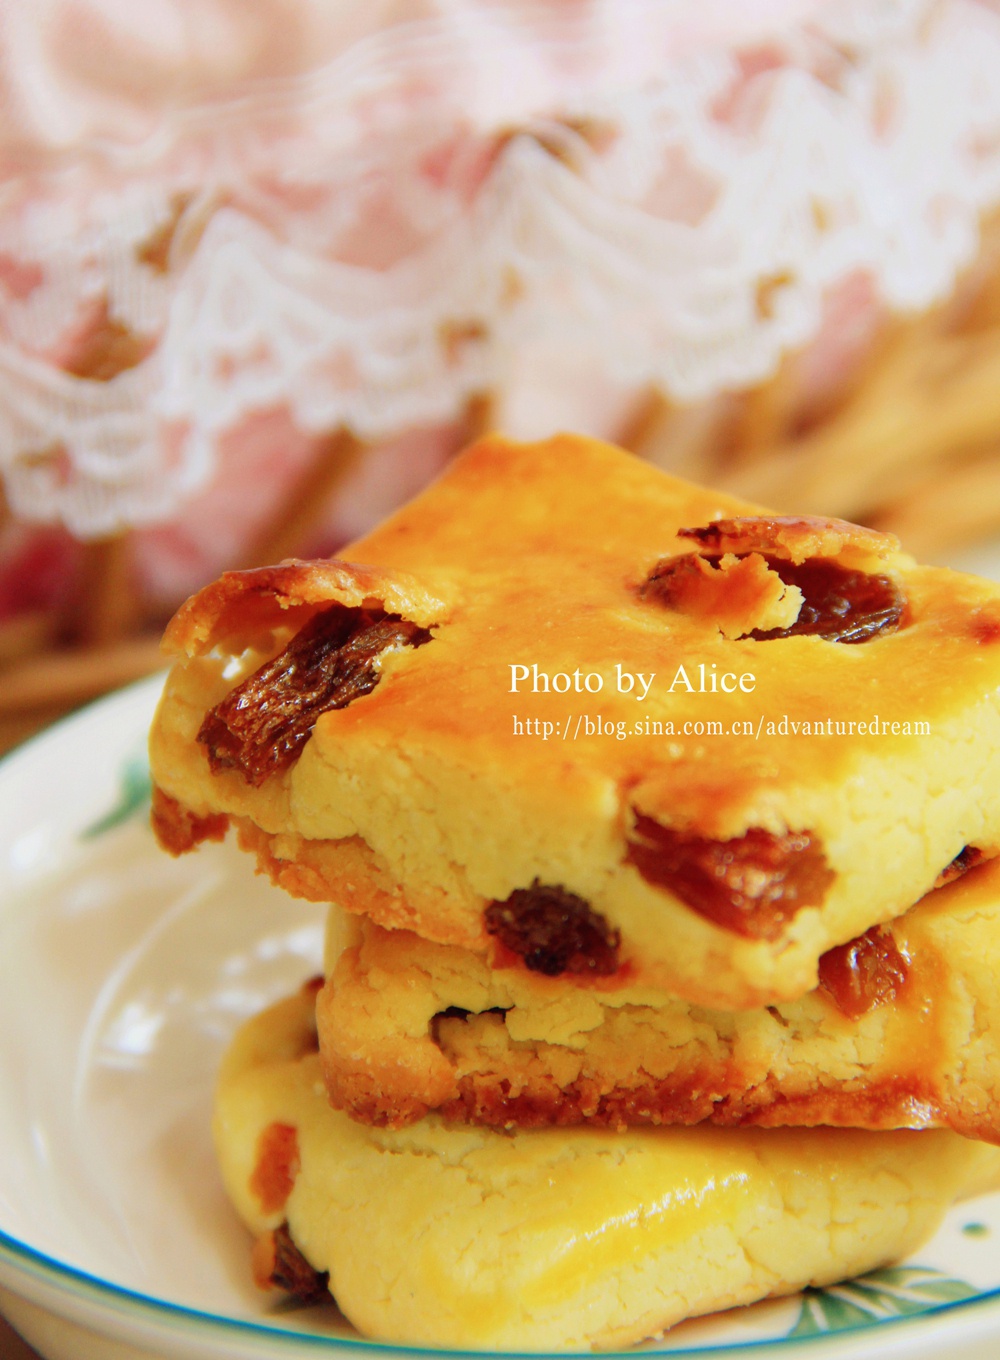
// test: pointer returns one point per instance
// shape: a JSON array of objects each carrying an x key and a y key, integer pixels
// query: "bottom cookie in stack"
[{"x": 554, "y": 1238}]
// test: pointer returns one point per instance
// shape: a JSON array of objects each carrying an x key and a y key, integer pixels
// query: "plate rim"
[{"x": 71, "y": 1282}]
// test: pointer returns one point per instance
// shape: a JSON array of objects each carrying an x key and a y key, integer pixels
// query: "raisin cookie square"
[{"x": 571, "y": 711}]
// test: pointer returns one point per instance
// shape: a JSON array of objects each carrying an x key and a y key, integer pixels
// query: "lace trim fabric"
[{"x": 369, "y": 244}]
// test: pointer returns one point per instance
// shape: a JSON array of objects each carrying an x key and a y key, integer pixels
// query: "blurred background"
[{"x": 264, "y": 268}]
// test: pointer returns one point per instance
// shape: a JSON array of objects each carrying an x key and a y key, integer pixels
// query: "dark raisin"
[
  {"x": 965, "y": 860},
  {"x": 838, "y": 604},
  {"x": 278, "y": 1264},
  {"x": 553, "y": 932},
  {"x": 864, "y": 973},
  {"x": 459, "y": 1013},
  {"x": 263, "y": 723},
  {"x": 752, "y": 885}
]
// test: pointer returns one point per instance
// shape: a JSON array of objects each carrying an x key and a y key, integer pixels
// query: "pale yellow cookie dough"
[{"x": 551, "y": 1239}]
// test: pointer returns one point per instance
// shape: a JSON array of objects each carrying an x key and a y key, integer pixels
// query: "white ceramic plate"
[{"x": 123, "y": 974}]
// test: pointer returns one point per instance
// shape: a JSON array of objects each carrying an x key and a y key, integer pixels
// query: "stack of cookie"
[{"x": 623, "y": 792}]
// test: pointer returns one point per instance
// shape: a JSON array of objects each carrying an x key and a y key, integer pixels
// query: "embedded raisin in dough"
[
  {"x": 553, "y": 932},
  {"x": 752, "y": 885},
  {"x": 263, "y": 723},
  {"x": 967, "y": 858},
  {"x": 864, "y": 973},
  {"x": 278, "y": 1264}
]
